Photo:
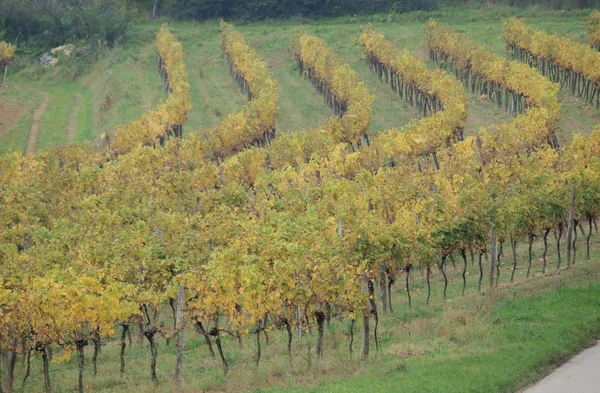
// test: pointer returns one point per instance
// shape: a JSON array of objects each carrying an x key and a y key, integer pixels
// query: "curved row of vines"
[
  {"x": 168, "y": 118},
  {"x": 575, "y": 66},
  {"x": 238, "y": 237}
]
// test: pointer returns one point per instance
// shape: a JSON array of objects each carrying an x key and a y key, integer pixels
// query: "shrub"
[{"x": 43, "y": 25}]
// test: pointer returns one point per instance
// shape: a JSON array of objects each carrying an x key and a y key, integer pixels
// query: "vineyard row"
[
  {"x": 575, "y": 66},
  {"x": 168, "y": 118},
  {"x": 288, "y": 233}
]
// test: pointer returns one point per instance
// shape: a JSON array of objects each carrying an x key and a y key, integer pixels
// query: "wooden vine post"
[
  {"x": 493, "y": 258},
  {"x": 180, "y": 323},
  {"x": 570, "y": 227}
]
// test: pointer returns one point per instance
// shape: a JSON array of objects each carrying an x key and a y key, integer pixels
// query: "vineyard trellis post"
[
  {"x": 5, "y": 71},
  {"x": 155, "y": 9},
  {"x": 299, "y": 327},
  {"x": 493, "y": 258},
  {"x": 180, "y": 323},
  {"x": 570, "y": 227}
]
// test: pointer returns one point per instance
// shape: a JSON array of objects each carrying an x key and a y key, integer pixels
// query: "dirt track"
[
  {"x": 33, "y": 132},
  {"x": 72, "y": 127}
]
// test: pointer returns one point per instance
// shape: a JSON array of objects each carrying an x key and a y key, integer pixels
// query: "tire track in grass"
[
  {"x": 33, "y": 132},
  {"x": 72, "y": 127}
]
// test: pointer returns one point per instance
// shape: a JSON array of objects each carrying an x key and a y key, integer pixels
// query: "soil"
[
  {"x": 33, "y": 133},
  {"x": 9, "y": 114},
  {"x": 72, "y": 127}
]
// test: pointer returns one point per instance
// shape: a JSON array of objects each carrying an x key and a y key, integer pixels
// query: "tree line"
[
  {"x": 47, "y": 24},
  {"x": 261, "y": 9}
]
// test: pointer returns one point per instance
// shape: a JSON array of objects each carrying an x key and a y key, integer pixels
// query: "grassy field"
[
  {"x": 124, "y": 83},
  {"x": 473, "y": 344}
]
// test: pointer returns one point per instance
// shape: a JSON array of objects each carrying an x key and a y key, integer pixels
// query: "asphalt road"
[{"x": 579, "y": 375}]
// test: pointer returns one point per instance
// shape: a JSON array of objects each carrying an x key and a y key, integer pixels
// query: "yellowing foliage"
[
  {"x": 524, "y": 89},
  {"x": 593, "y": 29},
  {"x": 342, "y": 88},
  {"x": 552, "y": 54},
  {"x": 255, "y": 123},
  {"x": 275, "y": 235},
  {"x": 444, "y": 96},
  {"x": 6, "y": 52},
  {"x": 154, "y": 126}
]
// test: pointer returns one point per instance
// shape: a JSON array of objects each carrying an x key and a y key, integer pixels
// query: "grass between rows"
[
  {"x": 124, "y": 84},
  {"x": 478, "y": 343}
]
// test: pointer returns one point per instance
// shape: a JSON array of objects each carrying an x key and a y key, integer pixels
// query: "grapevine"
[
  {"x": 340, "y": 86},
  {"x": 155, "y": 126},
  {"x": 593, "y": 29},
  {"x": 521, "y": 89},
  {"x": 575, "y": 66},
  {"x": 255, "y": 123},
  {"x": 6, "y": 52},
  {"x": 434, "y": 92},
  {"x": 289, "y": 233}
]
